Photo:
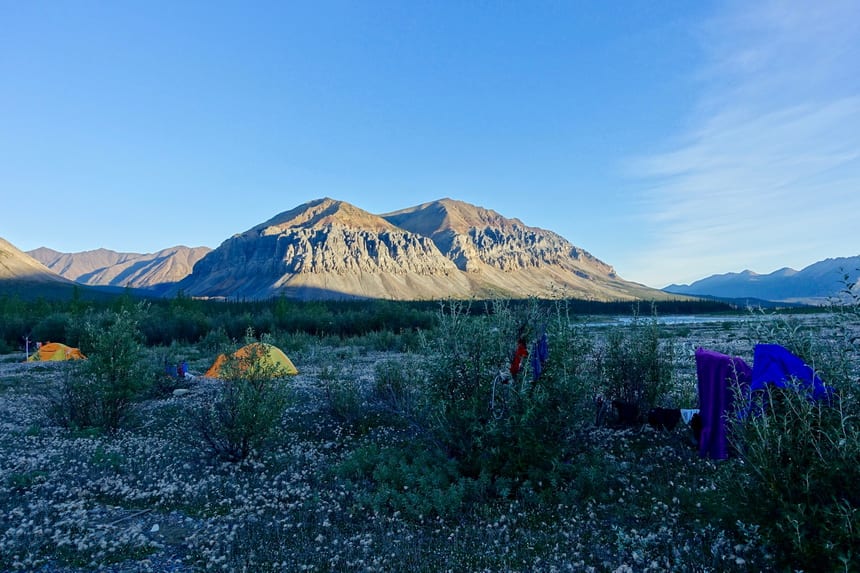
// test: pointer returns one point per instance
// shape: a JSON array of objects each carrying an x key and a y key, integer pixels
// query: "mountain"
[
  {"x": 501, "y": 255},
  {"x": 443, "y": 249},
  {"x": 17, "y": 265},
  {"x": 75, "y": 265},
  {"x": 103, "y": 267},
  {"x": 326, "y": 249},
  {"x": 23, "y": 276},
  {"x": 818, "y": 283}
]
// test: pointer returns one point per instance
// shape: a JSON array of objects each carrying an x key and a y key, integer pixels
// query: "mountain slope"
[
  {"x": 326, "y": 249},
  {"x": 505, "y": 255},
  {"x": 75, "y": 265},
  {"x": 103, "y": 267},
  {"x": 24, "y": 277},
  {"x": 815, "y": 283},
  {"x": 17, "y": 265},
  {"x": 444, "y": 249}
]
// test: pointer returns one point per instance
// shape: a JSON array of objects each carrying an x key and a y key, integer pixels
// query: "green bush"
[
  {"x": 216, "y": 341},
  {"x": 634, "y": 365},
  {"x": 22, "y": 482},
  {"x": 803, "y": 461},
  {"x": 163, "y": 385},
  {"x": 99, "y": 391},
  {"x": 416, "y": 480},
  {"x": 341, "y": 392},
  {"x": 295, "y": 342},
  {"x": 802, "y": 458},
  {"x": 244, "y": 412},
  {"x": 399, "y": 387},
  {"x": 51, "y": 328},
  {"x": 512, "y": 432}
]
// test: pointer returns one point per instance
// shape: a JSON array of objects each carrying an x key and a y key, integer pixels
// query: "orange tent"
[
  {"x": 271, "y": 357},
  {"x": 56, "y": 351}
]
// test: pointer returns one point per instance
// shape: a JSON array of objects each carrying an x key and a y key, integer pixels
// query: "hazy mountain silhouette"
[
  {"x": 104, "y": 267},
  {"x": 815, "y": 284}
]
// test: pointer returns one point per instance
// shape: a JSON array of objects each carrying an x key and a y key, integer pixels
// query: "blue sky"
[{"x": 672, "y": 140}]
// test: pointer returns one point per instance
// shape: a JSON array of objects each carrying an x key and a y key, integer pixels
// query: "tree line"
[{"x": 183, "y": 319}]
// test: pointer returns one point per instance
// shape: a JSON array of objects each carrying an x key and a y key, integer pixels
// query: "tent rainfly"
[
  {"x": 56, "y": 351},
  {"x": 270, "y": 356}
]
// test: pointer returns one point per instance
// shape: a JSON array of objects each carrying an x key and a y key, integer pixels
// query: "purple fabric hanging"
[{"x": 718, "y": 374}]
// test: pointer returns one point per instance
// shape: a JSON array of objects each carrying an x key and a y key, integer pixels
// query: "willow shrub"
[
  {"x": 100, "y": 391},
  {"x": 801, "y": 469},
  {"x": 245, "y": 410},
  {"x": 406, "y": 477},
  {"x": 634, "y": 365},
  {"x": 511, "y": 433}
]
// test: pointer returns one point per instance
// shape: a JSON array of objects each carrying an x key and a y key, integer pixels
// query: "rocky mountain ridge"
[
  {"x": 324, "y": 247},
  {"x": 443, "y": 249},
  {"x": 473, "y": 236}
]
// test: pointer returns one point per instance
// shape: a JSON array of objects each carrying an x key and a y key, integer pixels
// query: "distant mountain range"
[
  {"x": 327, "y": 249},
  {"x": 109, "y": 268},
  {"x": 816, "y": 284}
]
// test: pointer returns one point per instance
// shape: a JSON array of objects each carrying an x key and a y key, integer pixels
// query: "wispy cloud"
[{"x": 768, "y": 172}]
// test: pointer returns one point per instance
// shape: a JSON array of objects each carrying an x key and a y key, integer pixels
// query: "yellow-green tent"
[
  {"x": 56, "y": 351},
  {"x": 270, "y": 356}
]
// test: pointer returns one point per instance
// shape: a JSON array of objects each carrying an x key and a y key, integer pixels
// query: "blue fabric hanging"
[
  {"x": 775, "y": 364},
  {"x": 540, "y": 353}
]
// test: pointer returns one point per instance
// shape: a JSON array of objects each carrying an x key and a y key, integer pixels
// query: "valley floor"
[{"x": 149, "y": 499}]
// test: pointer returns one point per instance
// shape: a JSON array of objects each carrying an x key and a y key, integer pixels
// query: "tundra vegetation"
[{"x": 404, "y": 443}]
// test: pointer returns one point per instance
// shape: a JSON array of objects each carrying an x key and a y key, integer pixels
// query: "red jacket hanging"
[{"x": 520, "y": 353}]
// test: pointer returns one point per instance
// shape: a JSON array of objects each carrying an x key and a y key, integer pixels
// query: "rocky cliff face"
[
  {"x": 325, "y": 249},
  {"x": 473, "y": 237},
  {"x": 444, "y": 249},
  {"x": 506, "y": 257}
]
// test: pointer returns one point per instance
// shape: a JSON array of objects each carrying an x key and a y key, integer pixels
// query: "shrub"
[
  {"x": 163, "y": 384},
  {"x": 415, "y": 480},
  {"x": 75, "y": 404},
  {"x": 633, "y": 365},
  {"x": 398, "y": 389},
  {"x": 295, "y": 341},
  {"x": 99, "y": 392},
  {"x": 801, "y": 485},
  {"x": 802, "y": 459},
  {"x": 216, "y": 341},
  {"x": 341, "y": 393},
  {"x": 512, "y": 432},
  {"x": 248, "y": 404},
  {"x": 52, "y": 327},
  {"x": 21, "y": 482}
]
